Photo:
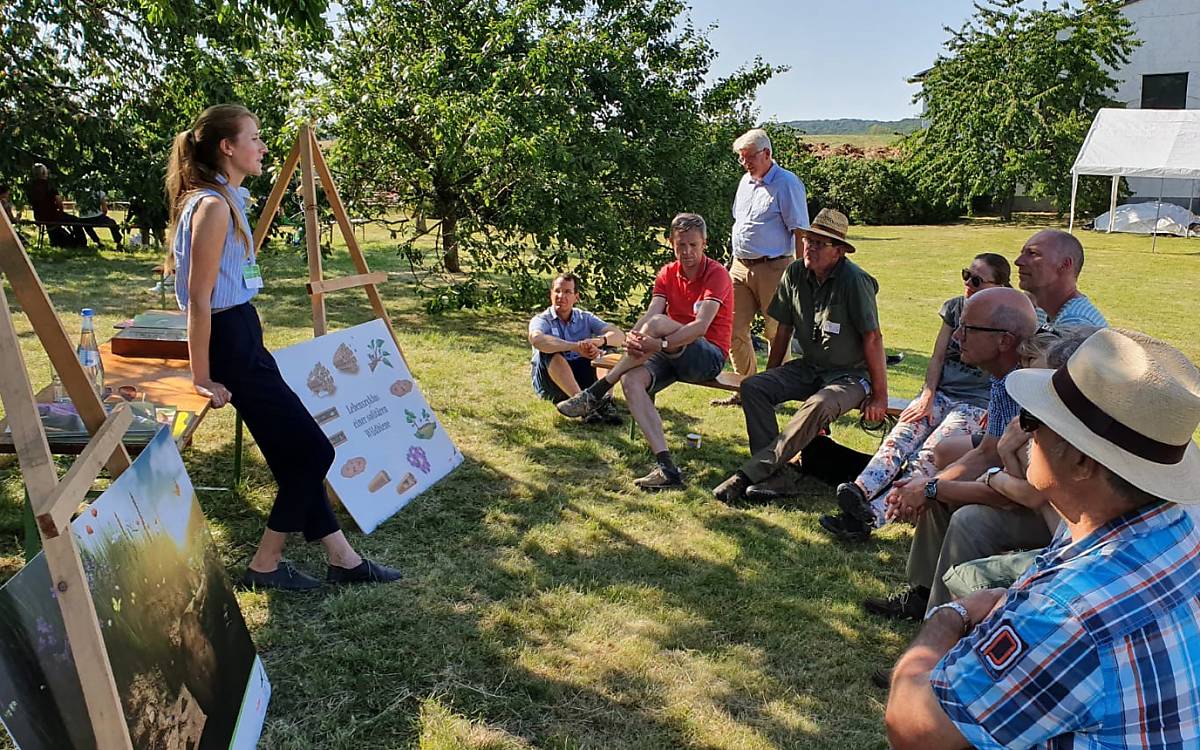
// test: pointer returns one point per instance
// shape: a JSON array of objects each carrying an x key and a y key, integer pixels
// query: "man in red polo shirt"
[{"x": 684, "y": 335}]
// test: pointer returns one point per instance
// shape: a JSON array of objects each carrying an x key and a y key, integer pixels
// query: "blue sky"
[{"x": 848, "y": 58}]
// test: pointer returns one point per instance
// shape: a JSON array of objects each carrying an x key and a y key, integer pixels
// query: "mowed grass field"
[
  {"x": 547, "y": 603},
  {"x": 859, "y": 140}
]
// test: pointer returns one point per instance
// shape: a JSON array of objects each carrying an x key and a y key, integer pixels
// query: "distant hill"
[{"x": 857, "y": 127}]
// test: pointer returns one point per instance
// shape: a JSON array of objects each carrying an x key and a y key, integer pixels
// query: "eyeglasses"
[
  {"x": 1028, "y": 422},
  {"x": 988, "y": 329},
  {"x": 973, "y": 279},
  {"x": 749, "y": 157},
  {"x": 818, "y": 244}
]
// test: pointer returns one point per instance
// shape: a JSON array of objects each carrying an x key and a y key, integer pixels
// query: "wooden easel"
[
  {"x": 53, "y": 502},
  {"x": 306, "y": 153}
]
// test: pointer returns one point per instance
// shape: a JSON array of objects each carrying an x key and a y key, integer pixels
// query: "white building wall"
[{"x": 1170, "y": 34}]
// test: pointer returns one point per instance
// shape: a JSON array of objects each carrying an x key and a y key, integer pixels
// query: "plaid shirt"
[
  {"x": 1001, "y": 407},
  {"x": 1095, "y": 646}
]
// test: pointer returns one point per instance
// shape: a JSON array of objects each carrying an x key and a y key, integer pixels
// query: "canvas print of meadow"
[{"x": 182, "y": 658}]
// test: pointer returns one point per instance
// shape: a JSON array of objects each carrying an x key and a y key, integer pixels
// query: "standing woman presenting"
[{"x": 216, "y": 277}]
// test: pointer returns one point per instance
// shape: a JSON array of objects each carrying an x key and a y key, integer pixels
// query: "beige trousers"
[{"x": 753, "y": 289}]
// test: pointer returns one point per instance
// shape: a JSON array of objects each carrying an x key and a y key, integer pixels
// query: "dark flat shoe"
[
  {"x": 284, "y": 578},
  {"x": 366, "y": 572}
]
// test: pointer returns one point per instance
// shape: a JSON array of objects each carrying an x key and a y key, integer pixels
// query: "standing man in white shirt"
[{"x": 769, "y": 211}]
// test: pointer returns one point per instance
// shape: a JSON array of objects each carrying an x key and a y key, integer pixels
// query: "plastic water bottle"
[{"x": 89, "y": 353}]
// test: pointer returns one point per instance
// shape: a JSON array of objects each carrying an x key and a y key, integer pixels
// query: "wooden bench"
[{"x": 731, "y": 381}]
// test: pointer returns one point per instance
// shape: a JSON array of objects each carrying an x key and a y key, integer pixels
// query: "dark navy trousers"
[{"x": 291, "y": 441}]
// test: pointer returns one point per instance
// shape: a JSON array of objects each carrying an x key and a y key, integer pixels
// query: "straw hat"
[
  {"x": 1128, "y": 401},
  {"x": 833, "y": 224}
]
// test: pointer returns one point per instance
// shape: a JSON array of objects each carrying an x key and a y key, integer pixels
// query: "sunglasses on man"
[
  {"x": 1028, "y": 422},
  {"x": 974, "y": 279}
]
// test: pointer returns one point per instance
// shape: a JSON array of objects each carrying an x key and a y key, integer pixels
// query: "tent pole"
[
  {"x": 1112, "y": 202},
  {"x": 1157, "y": 213},
  {"x": 1074, "y": 188}
]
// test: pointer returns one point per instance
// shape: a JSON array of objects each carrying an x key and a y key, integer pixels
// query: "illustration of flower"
[
  {"x": 418, "y": 459},
  {"x": 377, "y": 355}
]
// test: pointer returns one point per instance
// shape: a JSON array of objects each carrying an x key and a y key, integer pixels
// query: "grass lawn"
[
  {"x": 860, "y": 140},
  {"x": 547, "y": 603}
]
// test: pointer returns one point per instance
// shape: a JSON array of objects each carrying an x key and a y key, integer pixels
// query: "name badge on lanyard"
[{"x": 252, "y": 275}]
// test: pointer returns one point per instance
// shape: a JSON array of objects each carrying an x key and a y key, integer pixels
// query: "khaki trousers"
[
  {"x": 947, "y": 536},
  {"x": 770, "y": 449},
  {"x": 753, "y": 289}
]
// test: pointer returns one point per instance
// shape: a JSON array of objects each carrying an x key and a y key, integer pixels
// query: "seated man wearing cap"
[
  {"x": 1095, "y": 645},
  {"x": 826, "y": 304}
]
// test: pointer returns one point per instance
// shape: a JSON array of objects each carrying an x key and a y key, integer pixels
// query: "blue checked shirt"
[
  {"x": 1001, "y": 407},
  {"x": 1078, "y": 311},
  {"x": 1096, "y": 646},
  {"x": 581, "y": 325}
]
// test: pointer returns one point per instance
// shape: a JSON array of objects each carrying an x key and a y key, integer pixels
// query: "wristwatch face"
[{"x": 931, "y": 489}]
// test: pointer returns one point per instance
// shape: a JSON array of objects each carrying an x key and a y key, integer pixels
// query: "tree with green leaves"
[
  {"x": 102, "y": 87},
  {"x": 1012, "y": 98},
  {"x": 538, "y": 134}
]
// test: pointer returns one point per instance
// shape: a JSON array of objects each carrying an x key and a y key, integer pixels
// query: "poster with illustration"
[
  {"x": 181, "y": 656},
  {"x": 390, "y": 445}
]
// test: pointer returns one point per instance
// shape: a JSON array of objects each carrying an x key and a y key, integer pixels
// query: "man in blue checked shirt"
[
  {"x": 1095, "y": 646},
  {"x": 565, "y": 340}
]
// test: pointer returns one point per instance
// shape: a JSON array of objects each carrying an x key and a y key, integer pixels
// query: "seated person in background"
[
  {"x": 1095, "y": 645},
  {"x": 47, "y": 207},
  {"x": 565, "y": 340},
  {"x": 91, "y": 203},
  {"x": 1048, "y": 267},
  {"x": 6, "y": 202},
  {"x": 994, "y": 323},
  {"x": 825, "y": 304},
  {"x": 952, "y": 402},
  {"x": 684, "y": 335}
]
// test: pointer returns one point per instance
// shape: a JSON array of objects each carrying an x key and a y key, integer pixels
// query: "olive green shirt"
[{"x": 828, "y": 319}]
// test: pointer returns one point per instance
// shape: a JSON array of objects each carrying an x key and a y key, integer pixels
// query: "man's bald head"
[{"x": 1005, "y": 308}]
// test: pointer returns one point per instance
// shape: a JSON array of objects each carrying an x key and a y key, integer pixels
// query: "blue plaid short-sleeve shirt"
[
  {"x": 1001, "y": 407},
  {"x": 1096, "y": 646}
]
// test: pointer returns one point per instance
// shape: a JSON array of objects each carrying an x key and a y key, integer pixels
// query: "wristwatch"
[
  {"x": 987, "y": 475},
  {"x": 960, "y": 609},
  {"x": 931, "y": 489},
  {"x": 664, "y": 343}
]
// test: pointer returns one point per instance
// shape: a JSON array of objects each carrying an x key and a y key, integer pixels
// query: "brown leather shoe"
[{"x": 733, "y": 399}]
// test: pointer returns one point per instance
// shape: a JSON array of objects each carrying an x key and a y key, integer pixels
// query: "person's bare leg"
[
  {"x": 657, "y": 326},
  {"x": 270, "y": 551},
  {"x": 634, "y": 384},
  {"x": 339, "y": 552},
  {"x": 562, "y": 374}
]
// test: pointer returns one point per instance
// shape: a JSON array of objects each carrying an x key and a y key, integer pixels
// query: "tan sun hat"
[
  {"x": 1128, "y": 401},
  {"x": 831, "y": 223}
]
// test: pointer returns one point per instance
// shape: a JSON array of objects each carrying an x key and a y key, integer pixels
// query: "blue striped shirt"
[
  {"x": 1095, "y": 647},
  {"x": 230, "y": 288},
  {"x": 1078, "y": 311}
]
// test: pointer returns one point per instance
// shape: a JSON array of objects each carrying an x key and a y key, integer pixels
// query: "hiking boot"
[
  {"x": 732, "y": 489},
  {"x": 659, "y": 479},
  {"x": 854, "y": 503},
  {"x": 733, "y": 399},
  {"x": 909, "y": 604},
  {"x": 609, "y": 413},
  {"x": 787, "y": 482},
  {"x": 285, "y": 577},
  {"x": 580, "y": 405},
  {"x": 844, "y": 528}
]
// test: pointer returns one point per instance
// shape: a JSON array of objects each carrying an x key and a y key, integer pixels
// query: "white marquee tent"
[{"x": 1162, "y": 143}]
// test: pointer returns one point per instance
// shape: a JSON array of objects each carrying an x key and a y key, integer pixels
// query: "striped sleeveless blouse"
[{"x": 230, "y": 288}]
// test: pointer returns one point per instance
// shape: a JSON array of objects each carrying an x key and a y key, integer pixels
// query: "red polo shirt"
[{"x": 685, "y": 295}]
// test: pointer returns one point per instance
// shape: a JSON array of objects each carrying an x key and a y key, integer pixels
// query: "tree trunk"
[
  {"x": 1006, "y": 207},
  {"x": 449, "y": 230}
]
